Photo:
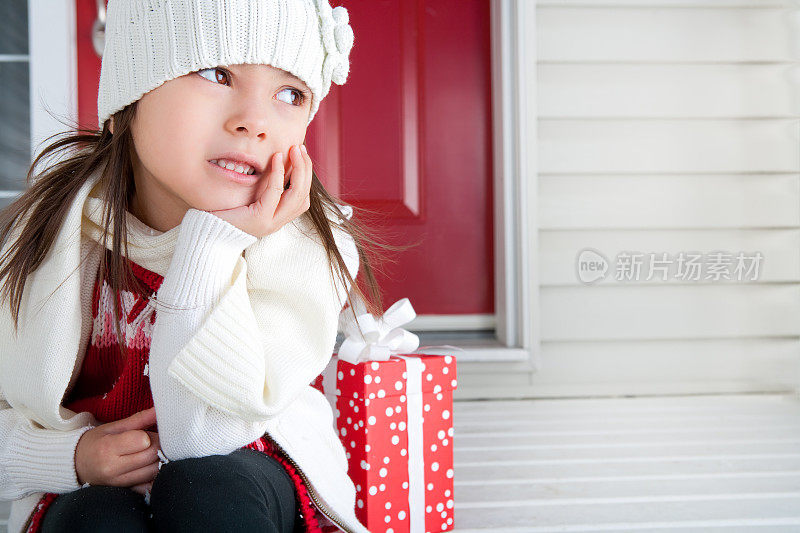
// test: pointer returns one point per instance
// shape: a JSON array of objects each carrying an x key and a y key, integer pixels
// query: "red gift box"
[{"x": 399, "y": 442}]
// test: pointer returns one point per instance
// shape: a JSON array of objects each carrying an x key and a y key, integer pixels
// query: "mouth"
[{"x": 237, "y": 177}]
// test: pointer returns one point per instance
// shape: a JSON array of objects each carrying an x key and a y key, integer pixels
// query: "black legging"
[{"x": 245, "y": 490}]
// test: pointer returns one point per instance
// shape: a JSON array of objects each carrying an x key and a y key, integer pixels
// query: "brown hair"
[{"x": 39, "y": 212}]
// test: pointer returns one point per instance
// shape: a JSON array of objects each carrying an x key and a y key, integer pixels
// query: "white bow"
[{"x": 382, "y": 337}]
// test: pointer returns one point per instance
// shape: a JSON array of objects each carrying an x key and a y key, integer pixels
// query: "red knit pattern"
[{"x": 112, "y": 389}]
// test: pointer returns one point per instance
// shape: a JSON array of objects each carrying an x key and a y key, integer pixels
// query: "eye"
[
  {"x": 299, "y": 99},
  {"x": 215, "y": 70}
]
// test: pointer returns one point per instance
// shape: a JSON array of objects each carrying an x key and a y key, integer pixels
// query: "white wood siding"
[{"x": 663, "y": 127}]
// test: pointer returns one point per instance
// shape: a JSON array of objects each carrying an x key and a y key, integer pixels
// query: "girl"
[{"x": 171, "y": 287}]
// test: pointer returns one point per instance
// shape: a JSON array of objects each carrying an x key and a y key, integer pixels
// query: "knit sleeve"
[
  {"x": 35, "y": 459},
  {"x": 243, "y": 335},
  {"x": 32, "y": 458}
]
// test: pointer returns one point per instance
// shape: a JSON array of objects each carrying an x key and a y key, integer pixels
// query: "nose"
[{"x": 250, "y": 117}]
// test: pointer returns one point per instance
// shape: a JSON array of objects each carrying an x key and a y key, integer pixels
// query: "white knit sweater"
[{"x": 238, "y": 338}]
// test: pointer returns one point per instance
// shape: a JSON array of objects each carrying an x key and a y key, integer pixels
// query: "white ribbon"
[
  {"x": 416, "y": 453},
  {"x": 382, "y": 337}
]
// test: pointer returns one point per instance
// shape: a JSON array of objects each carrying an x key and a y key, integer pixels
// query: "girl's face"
[{"x": 186, "y": 122}]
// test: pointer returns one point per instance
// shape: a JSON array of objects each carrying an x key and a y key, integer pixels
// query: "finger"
[
  {"x": 131, "y": 441},
  {"x": 146, "y": 474},
  {"x": 140, "y": 420},
  {"x": 273, "y": 189},
  {"x": 138, "y": 459},
  {"x": 309, "y": 174},
  {"x": 293, "y": 199}
]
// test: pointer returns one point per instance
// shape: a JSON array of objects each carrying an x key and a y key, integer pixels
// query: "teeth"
[{"x": 241, "y": 169}]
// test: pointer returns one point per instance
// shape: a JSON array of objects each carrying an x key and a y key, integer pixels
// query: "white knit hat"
[{"x": 148, "y": 42}]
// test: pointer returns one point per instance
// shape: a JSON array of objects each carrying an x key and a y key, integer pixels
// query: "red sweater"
[{"x": 112, "y": 389}]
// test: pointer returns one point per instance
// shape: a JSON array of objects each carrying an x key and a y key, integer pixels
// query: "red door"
[{"x": 409, "y": 135}]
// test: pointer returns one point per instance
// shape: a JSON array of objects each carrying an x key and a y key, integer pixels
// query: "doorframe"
[{"x": 52, "y": 42}]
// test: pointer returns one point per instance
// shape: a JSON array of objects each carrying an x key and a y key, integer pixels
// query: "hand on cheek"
[{"x": 275, "y": 205}]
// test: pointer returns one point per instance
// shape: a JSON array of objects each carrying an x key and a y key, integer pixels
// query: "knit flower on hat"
[{"x": 337, "y": 37}]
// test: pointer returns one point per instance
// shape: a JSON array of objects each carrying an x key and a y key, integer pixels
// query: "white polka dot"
[
  {"x": 440, "y": 434},
  {"x": 366, "y": 402},
  {"x": 381, "y": 393},
  {"x": 449, "y": 503},
  {"x": 448, "y": 359},
  {"x": 388, "y": 505},
  {"x": 367, "y": 447},
  {"x": 405, "y": 375},
  {"x": 439, "y": 396},
  {"x": 382, "y": 487},
  {"x": 434, "y": 466},
  {"x": 427, "y": 407},
  {"x": 433, "y": 447},
  {"x": 437, "y": 388},
  {"x": 403, "y": 452},
  {"x": 405, "y": 484},
  {"x": 402, "y": 398},
  {"x": 343, "y": 431},
  {"x": 445, "y": 414},
  {"x": 355, "y": 408},
  {"x": 453, "y": 383},
  {"x": 360, "y": 503},
  {"x": 392, "y": 426},
  {"x": 449, "y": 521},
  {"x": 439, "y": 507},
  {"x": 371, "y": 420},
  {"x": 429, "y": 377},
  {"x": 352, "y": 371},
  {"x": 340, "y": 375},
  {"x": 373, "y": 490},
  {"x": 382, "y": 472},
  {"x": 395, "y": 439},
  {"x": 375, "y": 365},
  {"x": 445, "y": 370},
  {"x": 444, "y": 442},
  {"x": 389, "y": 411},
  {"x": 367, "y": 379},
  {"x": 398, "y": 385},
  {"x": 386, "y": 460},
  {"x": 387, "y": 518},
  {"x": 377, "y": 379},
  {"x": 402, "y": 514},
  {"x": 430, "y": 486},
  {"x": 446, "y": 493},
  {"x": 352, "y": 403},
  {"x": 450, "y": 431},
  {"x": 449, "y": 472},
  {"x": 443, "y": 515},
  {"x": 428, "y": 509},
  {"x": 397, "y": 409},
  {"x": 402, "y": 426}
]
